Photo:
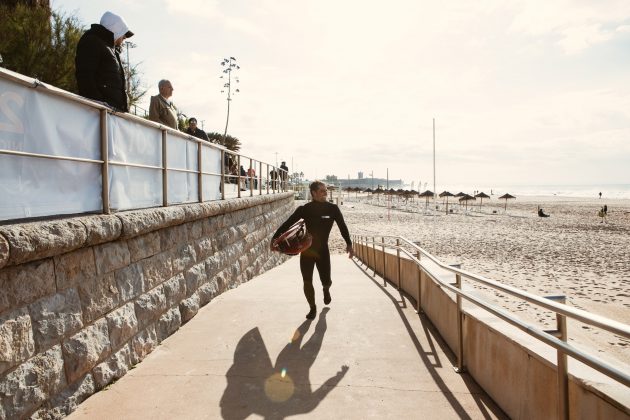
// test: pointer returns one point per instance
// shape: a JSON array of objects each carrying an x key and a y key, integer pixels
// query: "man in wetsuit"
[{"x": 319, "y": 216}]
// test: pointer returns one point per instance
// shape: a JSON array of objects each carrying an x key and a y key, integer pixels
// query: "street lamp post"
[{"x": 230, "y": 66}]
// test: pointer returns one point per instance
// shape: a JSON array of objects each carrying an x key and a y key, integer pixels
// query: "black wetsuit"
[{"x": 319, "y": 218}]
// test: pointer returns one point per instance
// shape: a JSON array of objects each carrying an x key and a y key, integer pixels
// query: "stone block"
[
  {"x": 195, "y": 276},
  {"x": 85, "y": 349},
  {"x": 4, "y": 251},
  {"x": 211, "y": 226},
  {"x": 139, "y": 222},
  {"x": 195, "y": 230},
  {"x": 144, "y": 246},
  {"x": 150, "y": 306},
  {"x": 56, "y": 317},
  {"x": 122, "y": 324},
  {"x": 31, "y": 383},
  {"x": 26, "y": 283},
  {"x": 115, "y": 367},
  {"x": 39, "y": 240},
  {"x": 111, "y": 256},
  {"x": 208, "y": 291},
  {"x": 173, "y": 236},
  {"x": 99, "y": 295},
  {"x": 175, "y": 290},
  {"x": 188, "y": 308},
  {"x": 183, "y": 257},
  {"x": 215, "y": 263},
  {"x": 69, "y": 399},
  {"x": 168, "y": 324},
  {"x": 16, "y": 338},
  {"x": 74, "y": 267},
  {"x": 101, "y": 228},
  {"x": 157, "y": 269},
  {"x": 204, "y": 248},
  {"x": 130, "y": 281},
  {"x": 143, "y": 343}
]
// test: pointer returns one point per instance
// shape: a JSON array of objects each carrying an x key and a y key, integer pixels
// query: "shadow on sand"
[{"x": 255, "y": 386}]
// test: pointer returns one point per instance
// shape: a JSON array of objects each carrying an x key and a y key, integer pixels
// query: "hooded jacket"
[{"x": 99, "y": 71}]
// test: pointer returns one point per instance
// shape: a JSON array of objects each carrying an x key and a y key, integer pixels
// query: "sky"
[{"x": 522, "y": 92}]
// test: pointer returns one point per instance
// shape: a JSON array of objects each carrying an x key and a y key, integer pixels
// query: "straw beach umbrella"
[
  {"x": 426, "y": 194},
  {"x": 481, "y": 196},
  {"x": 466, "y": 198},
  {"x": 506, "y": 196},
  {"x": 447, "y": 195}
]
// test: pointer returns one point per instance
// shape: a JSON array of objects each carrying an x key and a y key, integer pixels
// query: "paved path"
[{"x": 250, "y": 352}]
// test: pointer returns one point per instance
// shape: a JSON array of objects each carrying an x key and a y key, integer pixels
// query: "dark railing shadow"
[
  {"x": 254, "y": 386},
  {"x": 485, "y": 404}
]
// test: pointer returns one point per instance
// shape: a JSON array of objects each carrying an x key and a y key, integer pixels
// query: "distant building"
[{"x": 360, "y": 175}]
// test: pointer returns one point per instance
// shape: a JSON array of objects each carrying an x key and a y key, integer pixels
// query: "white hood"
[{"x": 116, "y": 25}]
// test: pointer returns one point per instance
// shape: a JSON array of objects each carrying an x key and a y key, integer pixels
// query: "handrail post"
[
  {"x": 398, "y": 258},
  {"x": 260, "y": 178},
  {"x": 384, "y": 264},
  {"x": 222, "y": 174},
  {"x": 460, "y": 333},
  {"x": 164, "y": 170},
  {"x": 374, "y": 253},
  {"x": 267, "y": 177},
  {"x": 251, "y": 178},
  {"x": 238, "y": 175},
  {"x": 105, "y": 165},
  {"x": 563, "y": 368},
  {"x": 199, "y": 171},
  {"x": 419, "y": 301}
]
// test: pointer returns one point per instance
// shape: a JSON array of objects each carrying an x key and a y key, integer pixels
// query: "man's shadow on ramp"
[{"x": 256, "y": 387}]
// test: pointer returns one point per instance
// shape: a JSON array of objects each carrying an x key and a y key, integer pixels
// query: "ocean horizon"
[{"x": 610, "y": 191}]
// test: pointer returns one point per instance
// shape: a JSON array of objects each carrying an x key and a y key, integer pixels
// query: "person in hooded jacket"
[{"x": 99, "y": 71}]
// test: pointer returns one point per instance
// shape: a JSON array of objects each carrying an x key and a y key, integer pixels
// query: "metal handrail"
[
  {"x": 279, "y": 184},
  {"x": 560, "y": 345}
]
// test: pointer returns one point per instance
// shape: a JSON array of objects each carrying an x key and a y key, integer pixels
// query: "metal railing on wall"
[
  {"x": 208, "y": 171},
  {"x": 555, "y": 338}
]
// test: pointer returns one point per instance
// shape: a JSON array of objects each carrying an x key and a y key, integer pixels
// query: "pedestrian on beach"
[
  {"x": 319, "y": 216},
  {"x": 602, "y": 214},
  {"x": 98, "y": 68},
  {"x": 194, "y": 131},
  {"x": 161, "y": 108},
  {"x": 600, "y": 195}
]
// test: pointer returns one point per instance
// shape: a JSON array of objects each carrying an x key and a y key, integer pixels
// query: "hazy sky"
[{"x": 526, "y": 92}]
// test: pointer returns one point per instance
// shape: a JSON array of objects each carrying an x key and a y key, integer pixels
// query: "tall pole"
[
  {"x": 434, "y": 190},
  {"x": 230, "y": 66}
]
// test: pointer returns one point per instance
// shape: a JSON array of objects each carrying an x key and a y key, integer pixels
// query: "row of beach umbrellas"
[{"x": 463, "y": 197}]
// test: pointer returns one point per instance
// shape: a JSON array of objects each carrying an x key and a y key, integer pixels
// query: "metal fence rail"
[
  {"x": 555, "y": 338},
  {"x": 258, "y": 178}
]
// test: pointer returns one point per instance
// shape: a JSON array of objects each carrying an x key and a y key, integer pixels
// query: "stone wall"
[{"x": 84, "y": 299}]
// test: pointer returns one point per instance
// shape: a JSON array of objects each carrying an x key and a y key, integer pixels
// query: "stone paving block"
[
  {"x": 99, "y": 295},
  {"x": 111, "y": 256},
  {"x": 16, "y": 338},
  {"x": 122, "y": 324},
  {"x": 130, "y": 281},
  {"x": 24, "y": 284},
  {"x": 150, "y": 306},
  {"x": 183, "y": 257},
  {"x": 168, "y": 324},
  {"x": 143, "y": 343},
  {"x": 32, "y": 383},
  {"x": 144, "y": 246},
  {"x": 115, "y": 367},
  {"x": 157, "y": 269},
  {"x": 74, "y": 267},
  {"x": 85, "y": 349},
  {"x": 56, "y": 317}
]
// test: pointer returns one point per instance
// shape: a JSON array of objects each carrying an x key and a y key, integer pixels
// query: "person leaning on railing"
[
  {"x": 99, "y": 71},
  {"x": 161, "y": 108},
  {"x": 194, "y": 131}
]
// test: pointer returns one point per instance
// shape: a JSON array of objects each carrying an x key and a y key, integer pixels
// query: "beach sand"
[{"x": 573, "y": 253}]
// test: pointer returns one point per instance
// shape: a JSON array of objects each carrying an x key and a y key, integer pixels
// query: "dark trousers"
[{"x": 308, "y": 260}]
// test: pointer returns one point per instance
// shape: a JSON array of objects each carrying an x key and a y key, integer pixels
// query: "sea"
[{"x": 610, "y": 191}]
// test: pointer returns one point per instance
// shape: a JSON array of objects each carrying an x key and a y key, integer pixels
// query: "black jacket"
[
  {"x": 200, "y": 134},
  {"x": 99, "y": 71}
]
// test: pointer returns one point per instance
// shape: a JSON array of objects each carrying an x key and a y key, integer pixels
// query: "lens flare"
[
  {"x": 279, "y": 387},
  {"x": 283, "y": 373}
]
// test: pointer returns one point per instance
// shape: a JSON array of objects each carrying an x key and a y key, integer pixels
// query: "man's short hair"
[
  {"x": 315, "y": 186},
  {"x": 162, "y": 82},
  {"x": 192, "y": 120}
]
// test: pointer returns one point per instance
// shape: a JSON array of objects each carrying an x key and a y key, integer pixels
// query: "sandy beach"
[{"x": 573, "y": 252}]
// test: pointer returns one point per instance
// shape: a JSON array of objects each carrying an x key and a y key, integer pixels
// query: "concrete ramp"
[{"x": 251, "y": 353}]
